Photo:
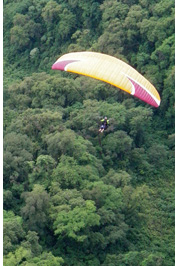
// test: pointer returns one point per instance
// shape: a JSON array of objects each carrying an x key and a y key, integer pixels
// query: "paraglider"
[
  {"x": 111, "y": 70},
  {"x": 104, "y": 125}
]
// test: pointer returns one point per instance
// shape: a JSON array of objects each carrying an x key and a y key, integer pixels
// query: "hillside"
[{"x": 71, "y": 196}]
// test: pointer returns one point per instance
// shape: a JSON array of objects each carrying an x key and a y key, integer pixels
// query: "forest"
[{"x": 70, "y": 196}]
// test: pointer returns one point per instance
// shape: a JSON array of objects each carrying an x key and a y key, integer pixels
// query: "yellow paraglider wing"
[{"x": 111, "y": 70}]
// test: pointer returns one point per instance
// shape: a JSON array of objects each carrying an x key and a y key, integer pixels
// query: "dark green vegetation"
[{"x": 68, "y": 200}]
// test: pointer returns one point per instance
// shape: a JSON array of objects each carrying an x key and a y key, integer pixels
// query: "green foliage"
[
  {"x": 18, "y": 150},
  {"x": 70, "y": 174},
  {"x": 23, "y": 31},
  {"x": 24, "y": 257},
  {"x": 46, "y": 259},
  {"x": 73, "y": 196},
  {"x": 21, "y": 254},
  {"x": 35, "y": 211},
  {"x": 117, "y": 179},
  {"x": 135, "y": 258},
  {"x": 32, "y": 243},
  {"x": 50, "y": 12},
  {"x": 12, "y": 231},
  {"x": 35, "y": 123},
  {"x": 138, "y": 121},
  {"x": 117, "y": 147},
  {"x": 7, "y": 199},
  {"x": 74, "y": 222},
  {"x": 41, "y": 170}
]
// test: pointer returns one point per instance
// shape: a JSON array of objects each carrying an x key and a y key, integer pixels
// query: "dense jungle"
[{"x": 71, "y": 196}]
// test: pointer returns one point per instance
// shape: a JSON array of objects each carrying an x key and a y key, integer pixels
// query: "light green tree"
[{"x": 13, "y": 232}]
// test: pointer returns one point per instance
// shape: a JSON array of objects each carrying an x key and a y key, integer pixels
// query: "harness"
[{"x": 104, "y": 123}]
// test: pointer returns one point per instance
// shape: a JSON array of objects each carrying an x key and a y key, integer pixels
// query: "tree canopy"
[{"x": 72, "y": 196}]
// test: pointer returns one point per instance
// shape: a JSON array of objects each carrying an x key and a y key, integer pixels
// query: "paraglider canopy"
[{"x": 111, "y": 70}]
